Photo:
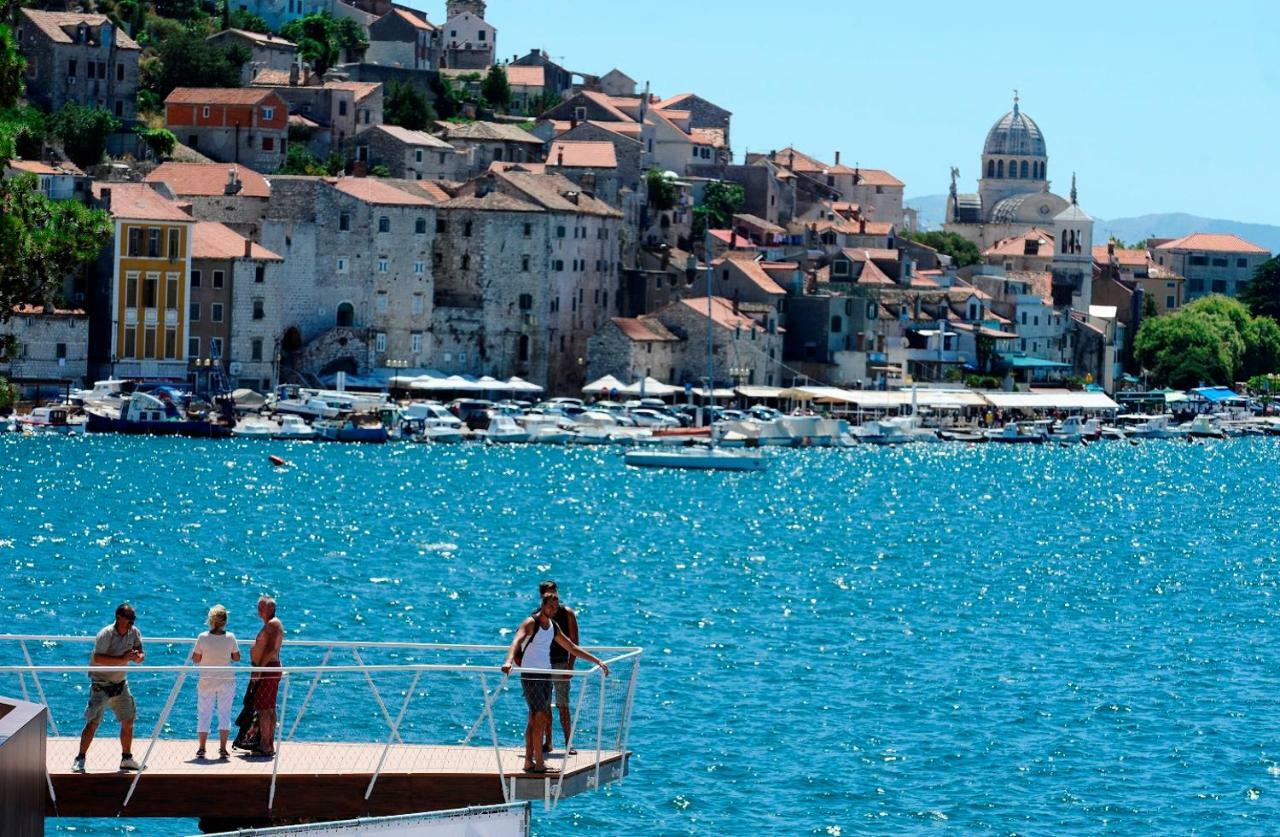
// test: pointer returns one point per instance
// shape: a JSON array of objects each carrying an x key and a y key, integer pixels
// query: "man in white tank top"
[{"x": 531, "y": 651}]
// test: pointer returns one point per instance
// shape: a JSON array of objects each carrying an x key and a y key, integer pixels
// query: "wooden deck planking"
[{"x": 315, "y": 780}]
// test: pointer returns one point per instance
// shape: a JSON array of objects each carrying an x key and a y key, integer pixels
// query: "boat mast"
[{"x": 711, "y": 363}]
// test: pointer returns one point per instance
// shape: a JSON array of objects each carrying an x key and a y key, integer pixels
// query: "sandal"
[
  {"x": 200, "y": 753},
  {"x": 223, "y": 754}
]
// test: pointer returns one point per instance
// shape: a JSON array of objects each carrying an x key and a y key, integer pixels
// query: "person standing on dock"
[
  {"x": 215, "y": 647},
  {"x": 265, "y": 653},
  {"x": 118, "y": 644},
  {"x": 566, "y": 623},
  {"x": 531, "y": 649}
]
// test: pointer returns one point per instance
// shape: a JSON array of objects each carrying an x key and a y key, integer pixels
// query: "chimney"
[
  {"x": 736, "y": 295},
  {"x": 295, "y": 72},
  {"x": 233, "y": 182},
  {"x": 837, "y": 158},
  {"x": 573, "y": 122},
  {"x": 862, "y": 226},
  {"x": 560, "y": 156},
  {"x": 571, "y": 197},
  {"x": 248, "y": 249},
  {"x": 733, "y": 240}
]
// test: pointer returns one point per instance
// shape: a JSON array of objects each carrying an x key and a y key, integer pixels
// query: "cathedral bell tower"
[{"x": 1072, "y": 256}]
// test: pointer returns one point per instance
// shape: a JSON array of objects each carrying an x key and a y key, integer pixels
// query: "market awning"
[
  {"x": 516, "y": 384},
  {"x": 760, "y": 392},
  {"x": 1217, "y": 394},
  {"x": 650, "y": 386},
  {"x": 1051, "y": 400},
  {"x": 1027, "y": 362}
]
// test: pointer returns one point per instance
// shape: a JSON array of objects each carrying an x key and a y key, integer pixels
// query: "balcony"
[
  {"x": 131, "y": 316},
  {"x": 151, "y": 316}
]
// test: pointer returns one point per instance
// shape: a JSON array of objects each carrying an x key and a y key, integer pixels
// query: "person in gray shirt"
[{"x": 118, "y": 644}]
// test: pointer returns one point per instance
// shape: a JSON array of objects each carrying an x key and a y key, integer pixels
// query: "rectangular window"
[
  {"x": 342, "y": 265},
  {"x": 1199, "y": 261},
  {"x": 135, "y": 241},
  {"x": 268, "y": 143},
  {"x": 415, "y": 343},
  {"x": 466, "y": 229},
  {"x": 528, "y": 230},
  {"x": 560, "y": 232},
  {"x": 419, "y": 268},
  {"x": 524, "y": 263},
  {"x": 217, "y": 279},
  {"x": 268, "y": 113},
  {"x": 215, "y": 312},
  {"x": 259, "y": 274},
  {"x": 1242, "y": 262},
  {"x": 418, "y": 303},
  {"x": 193, "y": 312},
  {"x": 342, "y": 108},
  {"x": 171, "y": 292},
  {"x": 149, "y": 342},
  {"x": 441, "y": 225},
  {"x": 259, "y": 310},
  {"x": 526, "y": 302},
  {"x": 215, "y": 347},
  {"x": 193, "y": 347},
  {"x": 130, "y": 342},
  {"x": 384, "y": 224},
  {"x": 195, "y": 278},
  {"x": 61, "y": 351},
  {"x": 255, "y": 348},
  {"x": 131, "y": 290},
  {"x": 150, "y": 289},
  {"x": 171, "y": 343},
  {"x": 382, "y": 303},
  {"x": 174, "y": 236},
  {"x": 383, "y": 265},
  {"x": 417, "y": 155},
  {"x": 204, "y": 112},
  {"x": 71, "y": 68},
  {"x": 1219, "y": 262},
  {"x": 380, "y": 342},
  {"x": 1169, "y": 302},
  {"x": 153, "y": 243},
  {"x": 344, "y": 222},
  {"x": 119, "y": 72}
]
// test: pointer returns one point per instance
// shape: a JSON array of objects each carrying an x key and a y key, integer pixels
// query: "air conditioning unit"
[{"x": 237, "y": 368}]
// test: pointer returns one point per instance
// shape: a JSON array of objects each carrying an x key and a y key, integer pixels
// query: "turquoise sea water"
[{"x": 962, "y": 639}]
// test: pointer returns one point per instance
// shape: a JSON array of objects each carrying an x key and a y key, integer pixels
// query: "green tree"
[
  {"x": 1149, "y": 307},
  {"x": 1262, "y": 293},
  {"x": 298, "y": 160},
  {"x": 1183, "y": 351},
  {"x": 720, "y": 202},
  {"x": 406, "y": 107},
  {"x": 160, "y": 141},
  {"x": 496, "y": 89},
  {"x": 962, "y": 251},
  {"x": 12, "y": 66},
  {"x": 83, "y": 132},
  {"x": 22, "y": 132},
  {"x": 188, "y": 60},
  {"x": 1261, "y": 347},
  {"x": 43, "y": 241},
  {"x": 248, "y": 21},
  {"x": 8, "y": 395},
  {"x": 324, "y": 40},
  {"x": 662, "y": 192}
]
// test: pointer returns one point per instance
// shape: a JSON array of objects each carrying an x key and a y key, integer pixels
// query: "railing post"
[
  {"x": 164, "y": 716},
  {"x": 489, "y": 700},
  {"x": 297, "y": 719},
  {"x": 53, "y": 724},
  {"x": 277, "y": 747},
  {"x": 395, "y": 734},
  {"x": 604, "y": 682},
  {"x": 573, "y": 730},
  {"x": 376, "y": 694},
  {"x": 624, "y": 725},
  {"x": 484, "y": 688}
]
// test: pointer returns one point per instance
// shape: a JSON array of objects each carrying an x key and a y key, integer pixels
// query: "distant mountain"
[{"x": 932, "y": 209}]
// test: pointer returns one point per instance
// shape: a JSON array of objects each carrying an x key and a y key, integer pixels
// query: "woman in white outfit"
[{"x": 215, "y": 647}]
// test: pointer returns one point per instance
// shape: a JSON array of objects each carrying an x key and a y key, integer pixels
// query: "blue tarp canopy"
[
  {"x": 1216, "y": 394},
  {"x": 1027, "y": 362}
]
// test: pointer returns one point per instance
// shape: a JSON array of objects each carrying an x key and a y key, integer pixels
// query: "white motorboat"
[
  {"x": 254, "y": 427},
  {"x": 697, "y": 458},
  {"x": 893, "y": 431},
  {"x": 287, "y": 427},
  {"x": 549, "y": 434},
  {"x": 1156, "y": 427},
  {"x": 106, "y": 393},
  {"x": 56, "y": 419},
  {"x": 440, "y": 432},
  {"x": 1077, "y": 429},
  {"x": 1203, "y": 427},
  {"x": 1014, "y": 434},
  {"x": 503, "y": 430}
]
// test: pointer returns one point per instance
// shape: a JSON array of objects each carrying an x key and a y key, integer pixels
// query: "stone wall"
[{"x": 39, "y": 337}]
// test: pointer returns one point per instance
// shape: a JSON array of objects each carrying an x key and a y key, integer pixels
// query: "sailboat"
[{"x": 709, "y": 457}]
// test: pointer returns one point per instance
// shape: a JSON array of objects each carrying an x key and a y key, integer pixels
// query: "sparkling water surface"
[{"x": 977, "y": 639}]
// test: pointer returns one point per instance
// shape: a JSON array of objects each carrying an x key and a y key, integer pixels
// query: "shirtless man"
[{"x": 266, "y": 652}]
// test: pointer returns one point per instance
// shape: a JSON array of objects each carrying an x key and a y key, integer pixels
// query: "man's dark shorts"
[{"x": 537, "y": 692}]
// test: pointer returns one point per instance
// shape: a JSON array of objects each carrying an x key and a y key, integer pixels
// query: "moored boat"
[
  {"x": 56, "y": 419},
  {"x": 697, "y": 458},
  {"x": 142, "y": 413},
  {"x": 350, "y": 429},
  {"x": 1015, "y": 434}
]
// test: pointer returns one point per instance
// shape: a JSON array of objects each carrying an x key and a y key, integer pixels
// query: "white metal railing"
[{"x": 462, "y": 687}]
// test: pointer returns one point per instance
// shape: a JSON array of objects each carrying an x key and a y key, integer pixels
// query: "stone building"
[
  {"x": 410, "y": 155},
  {"x": 528, "y": 85},
  {"x": 330, "y": 111},
  {"x": 240, "y": 125},
  {"x": 404, "y": 38},
  {"x": 266, "y": 51},
  {"x": 492, "y": 142},
  {"x": 1032, "y": 251},
  {"x": 526, "y": 267},
  {"x": 356, "y": 286},
  {"x": 51, "y": 348},
  {"x": 555, "y": 78},
  {"x": 632, "y": 349},
  {"x": 593, "y": 165},
  {"x": 1213, "y": 263},
  {"x": 233, "y": 195},
  {"x": 469, "y": 42},
  {"x": 277, "y": 13},
  {"x": 56, "y": 181},
  {"x": 705, "y": 117},
  {"x": 82, "y": 58},
  {"x": 1137, "y": 268}
]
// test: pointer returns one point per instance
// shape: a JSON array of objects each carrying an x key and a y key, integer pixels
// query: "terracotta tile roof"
[
  {"x": 263, "y": 39},
  {"x": 1016, "y": 245},
  {"x": 873, "y": 228},
  {"x": 488, "y": 131},
  {"x": 797, "y": 161},
  {"x": 507, "y": 165},
  {"x": 878, "y": 177},
  {"x": 208, "y": 179},
  {"x": 415, "y": 138},
  {"x": 413, "y": 19},
  {"x": 37, "y": 167},
  {"x": 372, "y": 191},
  {"x": 713, "y": 137},
  {"x": 270, "y": 78},
  {"x": 1124, "y": 257},
  {"x": 872, "y": 275},
  {"x": 607, "y": 103},
  {"x": 862, "y": 254},
  {"x": 1213, "y": 242},
  {"x": 58, "y": 26},
  {"x": 217, "y": 96},
  {"x": 673, "y": 101},
  {"x": 521, "y": 76},
  {"x": 578, "y": 154},
  {"x": 752, "y": 269},
  {"x": 140, "y": 202},
  {"x": 299, "y": 119},
  {"x": 756, "y": 222},
  {"x": 361, "y": 89},
  {"x": 435, "y": 190},
  {"x": 644, "y": 330},
  {"x": 630, "y": 130},
  {"x": 211, "y": 240},
  {"x": 722, "y": 313},
  {"x": 727, "y": 237}
]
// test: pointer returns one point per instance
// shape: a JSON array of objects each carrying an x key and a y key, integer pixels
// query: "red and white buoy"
[{"x": 277, "y": 461}]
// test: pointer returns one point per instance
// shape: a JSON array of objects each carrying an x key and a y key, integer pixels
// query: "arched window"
[
  {"x": 346, "y": 315},
  {"x": 991, "y": 168},
  {"x": 1022, "y": 169},
  {"x": 1000, "y": 168}
]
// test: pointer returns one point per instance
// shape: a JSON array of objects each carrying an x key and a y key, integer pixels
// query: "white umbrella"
[
  {"x": 461, "y": 384},
  {"x": 521, "y": 385},
  {"x": 429, "y": 384},
  {"x": 606, "y": 384},
  {"x": 650, "y": 386},
  {"x": 492, "y": 384}
]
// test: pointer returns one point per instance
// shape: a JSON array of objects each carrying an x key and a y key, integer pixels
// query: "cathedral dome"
[{"x": 1015, "y": 134}]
